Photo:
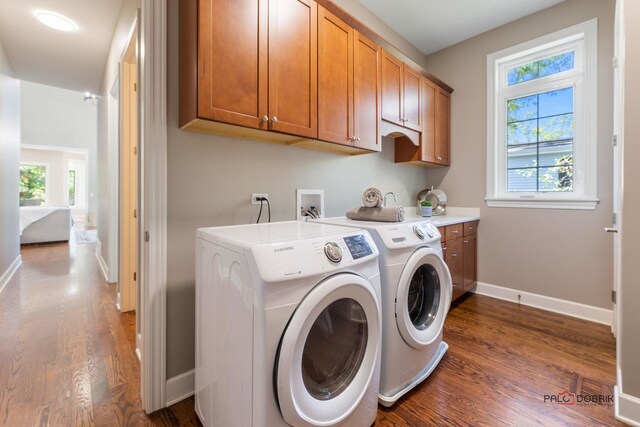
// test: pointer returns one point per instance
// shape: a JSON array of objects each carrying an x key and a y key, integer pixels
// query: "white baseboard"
[
  {"x": 7, "y": 275},
  {"x": 627, "y": 408},
  {"x": 101, "y": 262},
  {"x": 181, "y": 387},
  {"x": 568, "y": 308}
]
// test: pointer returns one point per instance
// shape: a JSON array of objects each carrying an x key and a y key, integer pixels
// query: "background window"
[
  {"x": 542, "y": 114},
  {"x": 33, "y": 182},
  {"x": 72, "y": 188}
]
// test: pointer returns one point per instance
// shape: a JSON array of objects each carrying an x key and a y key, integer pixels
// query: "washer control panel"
[
  {"x": 333, "y": 252},
  {"x": 358, "y": 246}
]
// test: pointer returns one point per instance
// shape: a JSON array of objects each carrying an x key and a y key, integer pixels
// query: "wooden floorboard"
[{"x": 67, "y": 358}]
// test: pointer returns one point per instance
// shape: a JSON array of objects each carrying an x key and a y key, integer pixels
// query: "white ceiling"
[
  {"x": 73, "y": 60},
  {"x": 431, "y": 25}
]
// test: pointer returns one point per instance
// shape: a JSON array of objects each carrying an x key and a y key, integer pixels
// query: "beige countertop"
[{"x": 452, "y": 216}]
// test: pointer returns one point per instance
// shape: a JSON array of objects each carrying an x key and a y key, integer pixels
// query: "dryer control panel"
[{"x": 409, "y": 235}]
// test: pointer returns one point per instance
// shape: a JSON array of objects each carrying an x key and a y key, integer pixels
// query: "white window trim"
[
  {"x": 584, "y": 39},
  {"x": 47, "y": 180}
]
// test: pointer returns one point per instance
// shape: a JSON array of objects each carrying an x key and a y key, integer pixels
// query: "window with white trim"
[{"x": 542, "y": 122}]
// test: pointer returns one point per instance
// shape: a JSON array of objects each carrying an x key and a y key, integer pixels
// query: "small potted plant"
[{"x": 426, "y": 207}]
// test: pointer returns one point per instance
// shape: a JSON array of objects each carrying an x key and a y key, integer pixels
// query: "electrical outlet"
[{"x": 255, "y": 198}]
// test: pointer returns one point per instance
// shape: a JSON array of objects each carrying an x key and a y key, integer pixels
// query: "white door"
[
  {"x": 329, "y": 351},
  {"x": 423, "y": 298}
]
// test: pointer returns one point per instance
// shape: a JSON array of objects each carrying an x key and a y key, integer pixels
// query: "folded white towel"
[
  {"x": 372, "y": 198},
  {"x": 388, "y": 214}
]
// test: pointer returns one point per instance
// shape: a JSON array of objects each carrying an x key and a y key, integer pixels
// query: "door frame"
[{"x": 153, "y": 202}]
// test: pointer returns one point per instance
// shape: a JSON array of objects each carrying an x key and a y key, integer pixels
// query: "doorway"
[{"x": 129, "y": 181}]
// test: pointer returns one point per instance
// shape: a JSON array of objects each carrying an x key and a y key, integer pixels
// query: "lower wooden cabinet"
[{"x": 460, "y": 252}]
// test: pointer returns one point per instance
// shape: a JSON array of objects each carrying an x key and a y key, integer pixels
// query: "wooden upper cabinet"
[
  {"x": 293, "y": 67},
  {"x": 428, "y": 138},
  {"x": 366, "y": 92},
  {"x": 391, "y": 75},
  {"x": 435, "y": 123},
  {"x": 442, "y": 126},
  {"x": 348, "y": 84},
  {"x": 412, "y": 111},
  {"x": 335, "y": 79},
  {"x": 232, "y": 63},
  {"x": 400, "y": 93},
  {"x": 295, "y": 72}
]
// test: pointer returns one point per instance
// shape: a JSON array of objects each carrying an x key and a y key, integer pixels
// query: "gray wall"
[
  {"x": 9, "y": 161},
  {"x": 558, "y": 253},
  {"x": 630, "y": 291},
  {"x": 210, "y": 181}
]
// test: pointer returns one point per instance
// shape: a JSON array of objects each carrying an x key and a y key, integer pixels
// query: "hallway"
[{"x": 67, "y": 358}]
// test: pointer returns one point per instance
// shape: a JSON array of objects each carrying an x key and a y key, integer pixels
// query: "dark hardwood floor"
[{"x": 67, "y": 359}]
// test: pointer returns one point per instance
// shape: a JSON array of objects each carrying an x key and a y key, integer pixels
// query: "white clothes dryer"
[
  {"x": 288, "y": 326},
  {"x": 416, "y": 296}
]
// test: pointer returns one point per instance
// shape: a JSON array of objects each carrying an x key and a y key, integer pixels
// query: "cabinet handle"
[
  {"x": 439, "y": 158},
  {"x": 265, "y": 119},
  {"x": 454, "y": 254},
  {"x": 454, "y": 231},
  {"x": 465, "y": 241},
  {"x": 274, "y": 119},
  {"x": 358, "y": 139}
]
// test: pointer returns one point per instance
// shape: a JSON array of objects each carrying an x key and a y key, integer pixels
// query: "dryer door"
[
  {"x": 328, "y": 352},
  {"x": 423, "y": 298}
]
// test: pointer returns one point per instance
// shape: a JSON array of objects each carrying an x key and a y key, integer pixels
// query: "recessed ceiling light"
[{"x": 55, "y": 21}]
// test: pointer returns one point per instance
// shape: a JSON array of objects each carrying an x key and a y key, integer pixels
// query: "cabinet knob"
[
  {"x": 357, "y": 139},
  {"x": 265, "y": 119},
  {"x": 274, "y": 119}
]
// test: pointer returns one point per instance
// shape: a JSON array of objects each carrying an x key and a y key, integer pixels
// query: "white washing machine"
[
  {"x": 416, "y": 296},
  {"x": 288, "y": 325}
]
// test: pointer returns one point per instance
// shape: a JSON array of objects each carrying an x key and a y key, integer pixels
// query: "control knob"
[
  {"x": 333, "y": 252},
  {"x": 419, "y": 231}
]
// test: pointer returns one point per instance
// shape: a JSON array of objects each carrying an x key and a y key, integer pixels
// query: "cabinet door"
[
  {"x": 366, "y": 92},
  {"x": 453, "y": 258},
  {"x": 469, "y": 257},
  {"x": 335, "y": 79},
  {"x": 391, "y": 74},
  {"x": 411, "y": 117},
  {"x": 293, "y": 66},
  {"x": 428, "y": 137},
  {"x": 443, "y": 123},
  {"x": 232, "y": 65}
]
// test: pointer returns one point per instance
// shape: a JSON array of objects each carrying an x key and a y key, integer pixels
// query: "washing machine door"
[
  {"x": 328, "y": 352},
  {"x": 423, "y": 298}
]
